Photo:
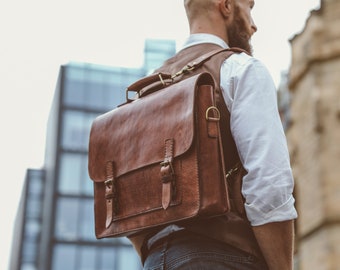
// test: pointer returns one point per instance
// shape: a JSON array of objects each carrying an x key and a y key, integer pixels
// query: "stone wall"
[{"x": 314, "y": 137}]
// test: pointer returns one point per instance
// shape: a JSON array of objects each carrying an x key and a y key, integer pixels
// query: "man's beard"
[{"x": 237, "y": 33}]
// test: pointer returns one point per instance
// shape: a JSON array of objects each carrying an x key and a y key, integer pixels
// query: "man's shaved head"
[
  {"x": 229, "y": 19},
  {"x": 198, "y": 7}
]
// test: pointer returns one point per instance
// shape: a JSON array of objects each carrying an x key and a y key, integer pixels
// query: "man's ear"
[{"x": 225, "y": 7}]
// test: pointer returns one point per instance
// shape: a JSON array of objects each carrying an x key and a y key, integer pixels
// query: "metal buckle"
[
  {"x": 183, "y": 70},
  {"x": 212, "y": 108},
  {"x": 108, "y": 183},
  {"x": 230, "y": 172},
  {"x": 128, "y": 99},
  {"x": 167, "y": 163},
  {"x": 163, "y": 81},
  {"x": 164, "y": 163}
]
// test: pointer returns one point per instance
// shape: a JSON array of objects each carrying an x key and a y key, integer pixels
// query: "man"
[{"x": 264, "y": 238}]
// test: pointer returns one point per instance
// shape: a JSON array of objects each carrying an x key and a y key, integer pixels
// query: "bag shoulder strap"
[
  {"x": 166, "y": 79},
  {"x": 205, "y": 57}
]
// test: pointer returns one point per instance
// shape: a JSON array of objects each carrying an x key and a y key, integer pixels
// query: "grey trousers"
[{"x": 187, "y": 251}]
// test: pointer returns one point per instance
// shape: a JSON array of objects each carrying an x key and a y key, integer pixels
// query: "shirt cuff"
[{"x": 284, "y": 212}]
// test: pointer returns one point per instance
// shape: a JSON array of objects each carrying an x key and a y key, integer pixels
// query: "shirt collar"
[{"x": 200, "y": 38}]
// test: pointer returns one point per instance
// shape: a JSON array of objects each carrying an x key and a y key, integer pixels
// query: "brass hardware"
[
  {"x": 127, "y": 95},
  {"x": 166, "y": 163},
  {"x": 108, "y": 183},
  {"x": 212, "y": 108},
  {"x": 164, "y": 83},
  {"x": 182, "y": 71},
  {"x": 161, "y": 79},
  {"x": 231, "y": 171}
]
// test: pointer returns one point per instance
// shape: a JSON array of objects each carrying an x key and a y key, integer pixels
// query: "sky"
[{"x": 39, "y": 36}]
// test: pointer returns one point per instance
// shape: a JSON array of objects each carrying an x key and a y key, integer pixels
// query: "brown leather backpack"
[{"x": 158, "y": 159}]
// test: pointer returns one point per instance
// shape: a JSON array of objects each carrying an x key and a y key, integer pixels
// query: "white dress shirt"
[{"x": 251, "y": 98}]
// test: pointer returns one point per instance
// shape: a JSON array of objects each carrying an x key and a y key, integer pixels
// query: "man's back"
[{"x": 250, "y": 97}]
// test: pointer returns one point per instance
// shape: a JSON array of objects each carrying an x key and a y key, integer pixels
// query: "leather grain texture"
[{"x": 146, "y": 186}]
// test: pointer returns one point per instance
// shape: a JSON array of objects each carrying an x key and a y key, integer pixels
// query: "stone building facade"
[{"x": 314, "y": 137}]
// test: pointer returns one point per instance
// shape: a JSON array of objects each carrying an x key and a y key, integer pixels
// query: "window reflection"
[
  {"x": 33, "y": 207},
  {"x": 107, "y": 259},
  {"x": 28, "y": 266},
  {"x": 128, "y": 259},
  {"x": 98, "y": 89},
  {"x": 75, "y": 220},
  {"x": 67, "y": 219},
  {"x": 64, "y": 257},
  {"x": 70, "y": 257},
  {"x": 76, "y": 129},
  {"x": 29, "y": 251},
  {"x": 32, "y": 230},
  {"x": 73, "y": 175},
  {"x": 86, "y": 229},
  {"x": 70, "y": 173},
  {"x": 36, "y": 186},
  {"x": 87, "y": 258}
]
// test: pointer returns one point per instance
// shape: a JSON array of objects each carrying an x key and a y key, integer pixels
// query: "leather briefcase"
[{"x": 158, "y": 159}]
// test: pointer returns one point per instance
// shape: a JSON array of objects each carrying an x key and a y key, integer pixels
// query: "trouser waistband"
[{"x": 146, "y": 248}]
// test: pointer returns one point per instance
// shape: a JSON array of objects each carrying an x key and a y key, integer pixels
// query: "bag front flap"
[{"x": 133, "y": 136}]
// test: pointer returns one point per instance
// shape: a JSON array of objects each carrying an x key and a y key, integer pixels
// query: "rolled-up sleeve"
[{"x": 250, "y": 95}]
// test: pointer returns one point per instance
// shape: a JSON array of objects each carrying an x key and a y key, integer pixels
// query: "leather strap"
[
  {"x": 167, "y": 174},
  {"x": 110, "y": 194},
  {"x": 164, "y": 79},
  {"x": 205, "y": 57},
  {"x": 213, "y": 118},
  {"x": 145, "y": 81},
  {"x": 224, "y": 171}
]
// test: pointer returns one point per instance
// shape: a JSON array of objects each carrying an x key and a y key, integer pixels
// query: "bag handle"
[{"x": 165, "y": 79}]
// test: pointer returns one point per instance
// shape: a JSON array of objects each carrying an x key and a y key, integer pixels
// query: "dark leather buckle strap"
[
  {"x": 111, "y": 195},
  {"x": 167, "y": 174}
]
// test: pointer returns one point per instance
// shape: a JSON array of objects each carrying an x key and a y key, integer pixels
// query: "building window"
[
  {"x": 75, "y": 219},
  {"x": 29, "y": 251},
  {"x": 33, "y": 207},
  {"x": 94, "y": 89},
  {"x": 70, "y": 257},
  {"x": 67, "y": 219},
  {"x": 28, "y": 266},
  {"x": 32, "y": 230},
  {"x": 128, "y": 259},
  {"x": 73, "y": 175},
  {"x": 87, "y": 260},
  {"x": 35, "y": 185},
  {"x": 86, "y": 219},
  {"x": 76, "y": 130},
  {"x": 107, "y": 259},
  {"x": 64, "y": 257}
]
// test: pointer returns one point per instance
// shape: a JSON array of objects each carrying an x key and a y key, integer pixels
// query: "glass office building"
[
  {"x": 28, "y": 225},
  {"x": 63, "y": 237}
]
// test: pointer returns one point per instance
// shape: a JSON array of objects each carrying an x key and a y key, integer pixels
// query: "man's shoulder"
[{"x": 243, "y": 61}]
